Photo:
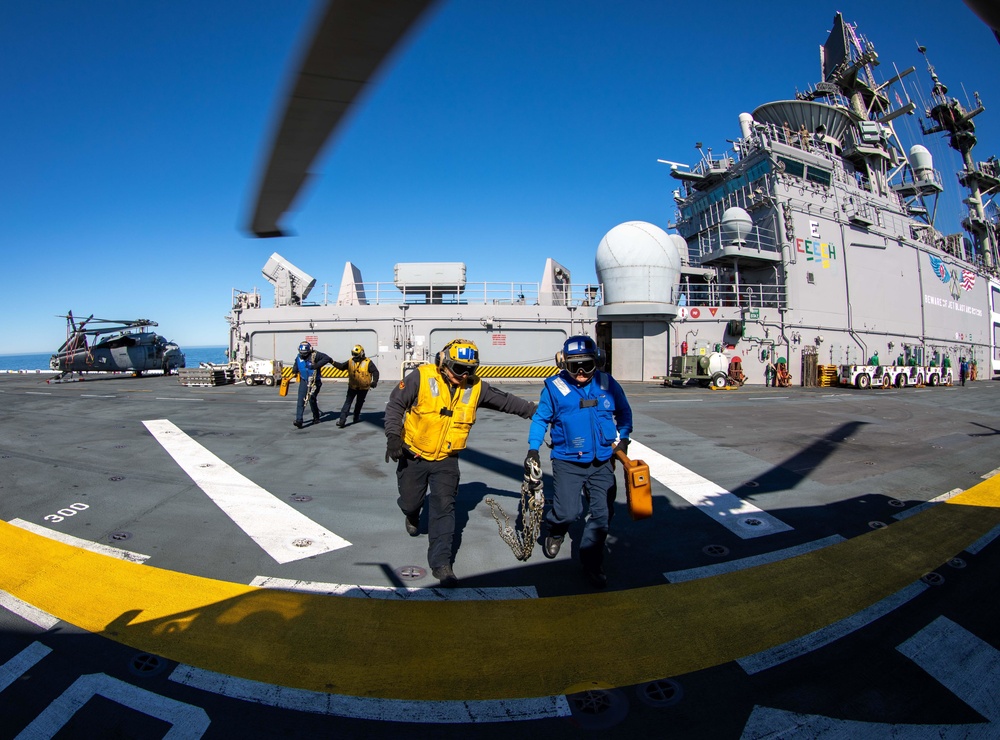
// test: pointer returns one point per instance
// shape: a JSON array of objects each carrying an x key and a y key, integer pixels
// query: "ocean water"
[{"x": 192, "y": 357}]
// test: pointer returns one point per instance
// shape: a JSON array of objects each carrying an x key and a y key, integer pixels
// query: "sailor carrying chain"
[{"x": 532, "y": 505}]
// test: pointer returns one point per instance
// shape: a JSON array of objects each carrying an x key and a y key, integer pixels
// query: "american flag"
[{"x": 968, "y": 279}]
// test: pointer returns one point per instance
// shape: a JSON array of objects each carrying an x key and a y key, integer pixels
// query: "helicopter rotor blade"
[{"x": 351, "y": 41}]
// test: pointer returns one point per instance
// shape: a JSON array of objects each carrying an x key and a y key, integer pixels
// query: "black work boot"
[
  {"x": 446, "y": 575},
  {"x": 552, "y": 545},
  {"x": 595, "y": 577},
  {"x": 297, "y": 424},
  {"x": 412, "y": 523}
]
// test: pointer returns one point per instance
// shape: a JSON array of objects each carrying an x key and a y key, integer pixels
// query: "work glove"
[
  {"x": 393, "y": 447},
  {"x": 622, "y": 446},
  {"x": 532, "y": 463},
  {"x": 533, "y": 408},
  {"x": 374, "y": 385}
]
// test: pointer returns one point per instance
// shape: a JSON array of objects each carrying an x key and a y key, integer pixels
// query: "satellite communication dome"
[
  {"x": 736, "y": 225},
  {"x": 682, "y": 247},
  {"x": 921, "y": 162},
  {"x": 638, "y": 262}
]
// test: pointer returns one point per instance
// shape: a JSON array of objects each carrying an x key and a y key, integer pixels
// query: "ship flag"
[{"x": 968, "y": 279}]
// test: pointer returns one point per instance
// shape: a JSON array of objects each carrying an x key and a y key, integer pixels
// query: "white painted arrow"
[{"x": 282, "y": 532}]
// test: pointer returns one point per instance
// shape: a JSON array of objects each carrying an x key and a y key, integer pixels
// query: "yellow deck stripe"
[
  {"x": 484, "y": 371},
  {"x": 484, "y": 650}
]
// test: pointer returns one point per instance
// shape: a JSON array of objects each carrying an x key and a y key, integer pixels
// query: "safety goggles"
[
  {"x": 460, "y": 370},
  {"x": 581, "y": 366}
]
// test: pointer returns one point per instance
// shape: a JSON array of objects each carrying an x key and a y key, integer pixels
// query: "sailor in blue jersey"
[
  {"x": 588, "y": 417},
  {"x": 307, "y": 368}
]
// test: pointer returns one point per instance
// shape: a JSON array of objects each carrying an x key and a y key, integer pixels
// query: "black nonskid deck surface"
[{"x": 832, "y": 464}]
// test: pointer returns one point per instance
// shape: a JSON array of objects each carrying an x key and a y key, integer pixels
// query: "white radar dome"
[
  {"x": 736, "y": 225},
  {"x": 638, "y": 262},
  {"x": 921, "y": 162},
  {"x": 682, "y": 247}
]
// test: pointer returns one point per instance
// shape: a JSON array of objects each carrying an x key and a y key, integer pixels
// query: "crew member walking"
[
  {"x": 588, "y": 417},
  {"x": 361, "y": 375},
  {"x": 307, "y": 369},
  {"x": 427, "y": 423}
]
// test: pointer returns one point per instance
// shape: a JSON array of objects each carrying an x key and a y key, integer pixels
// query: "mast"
[{"x": 980, "y": 179}]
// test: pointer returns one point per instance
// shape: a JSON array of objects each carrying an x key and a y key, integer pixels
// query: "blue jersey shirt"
[
  {"x": 585, "y": 420},
  {"x": 306, "y": 366}
]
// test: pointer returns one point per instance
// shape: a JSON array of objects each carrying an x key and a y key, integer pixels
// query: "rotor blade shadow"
[{"x": 787, "y": 474}]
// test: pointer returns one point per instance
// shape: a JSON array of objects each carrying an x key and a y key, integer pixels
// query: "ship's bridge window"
[
  {"x": 793, "y": 167},
  {"x": 814, "y": 174}
]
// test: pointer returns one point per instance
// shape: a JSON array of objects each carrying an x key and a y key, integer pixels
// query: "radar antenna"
[{"x": 982, "y": 179}]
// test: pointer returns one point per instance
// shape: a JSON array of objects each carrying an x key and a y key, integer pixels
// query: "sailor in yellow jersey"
[
  {"x": 362, "y": 375},
  {"x": 427, "y": 423}
]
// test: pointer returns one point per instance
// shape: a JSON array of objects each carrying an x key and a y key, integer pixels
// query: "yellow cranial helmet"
[
  {"x": 460, "y": 356},
  {"x": 358, "y": 352}
]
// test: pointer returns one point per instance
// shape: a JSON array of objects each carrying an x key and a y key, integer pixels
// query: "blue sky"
[{"x": 501, "y": 133}]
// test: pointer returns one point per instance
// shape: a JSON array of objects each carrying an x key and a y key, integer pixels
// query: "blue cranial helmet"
[
  {"x": 580, "y": 352},
  {"x": 579, "y": 346},
  {"x": 304, "y": 349}
]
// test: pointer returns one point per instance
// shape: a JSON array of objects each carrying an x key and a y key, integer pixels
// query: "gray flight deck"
[{"x": 821, "y": 467}]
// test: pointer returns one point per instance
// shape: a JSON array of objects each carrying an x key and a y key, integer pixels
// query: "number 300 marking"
[{"x": 63, "y": 513}]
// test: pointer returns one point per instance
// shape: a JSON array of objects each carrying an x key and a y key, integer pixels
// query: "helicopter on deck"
[{"x": 125, "y": 349}]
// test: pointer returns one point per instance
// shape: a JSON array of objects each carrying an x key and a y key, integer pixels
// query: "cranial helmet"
[
  {"x": 460, "y": 356},
  {"x": 358, "y": 353},
  {"x": 304, "y": 349},
  {"x": 577, "y": 351}
]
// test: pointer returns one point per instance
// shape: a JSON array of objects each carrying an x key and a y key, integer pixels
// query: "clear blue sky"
[{"x": 501, "y": 133}]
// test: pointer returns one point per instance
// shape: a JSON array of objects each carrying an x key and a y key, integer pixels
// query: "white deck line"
[
  {"x": 820, "y": 638},
  {"x": 957, "y": 659},
  {"x": 27, "y": 612},
  {"x": 187, "y": 721},
  {"x": 17, "y": 666},
  {"x": 398, "y": 594},
  {"x": 68, "y": 539},
  {"x": 738, "y": 516},
  {"x": 383, "y": 710},
  {"x": 966, "y": 665},
  {"x": 930, "y": 504},
  {"x": 282, "y": 532},
  {"x": 976, "y": 547},
  {"x": 707, "y": 571},
  {"x": 678, "y": 400}
]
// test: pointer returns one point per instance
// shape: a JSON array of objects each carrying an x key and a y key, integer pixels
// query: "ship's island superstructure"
[{"x": 810, "y": 244}]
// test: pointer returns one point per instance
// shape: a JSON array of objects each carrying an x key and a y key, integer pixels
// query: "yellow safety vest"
[
  {"x": 358, "y": 375},
  {"x": 438, "y": 424}
]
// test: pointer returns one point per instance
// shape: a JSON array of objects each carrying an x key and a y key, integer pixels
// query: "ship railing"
[
  {"x": 760, "y": 239},
  {"x": 766, "y": 133},
  {"x": 746, "y": 295},
  {"x": 710, "y": 165},
  {"x": 931, "y": 177},
  {"x": 470, "y": 293}
]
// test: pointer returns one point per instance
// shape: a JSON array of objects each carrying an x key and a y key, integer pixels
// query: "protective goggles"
[
  {"x": 587, "y": 365},
  {"x": 461, "y": 370}
]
